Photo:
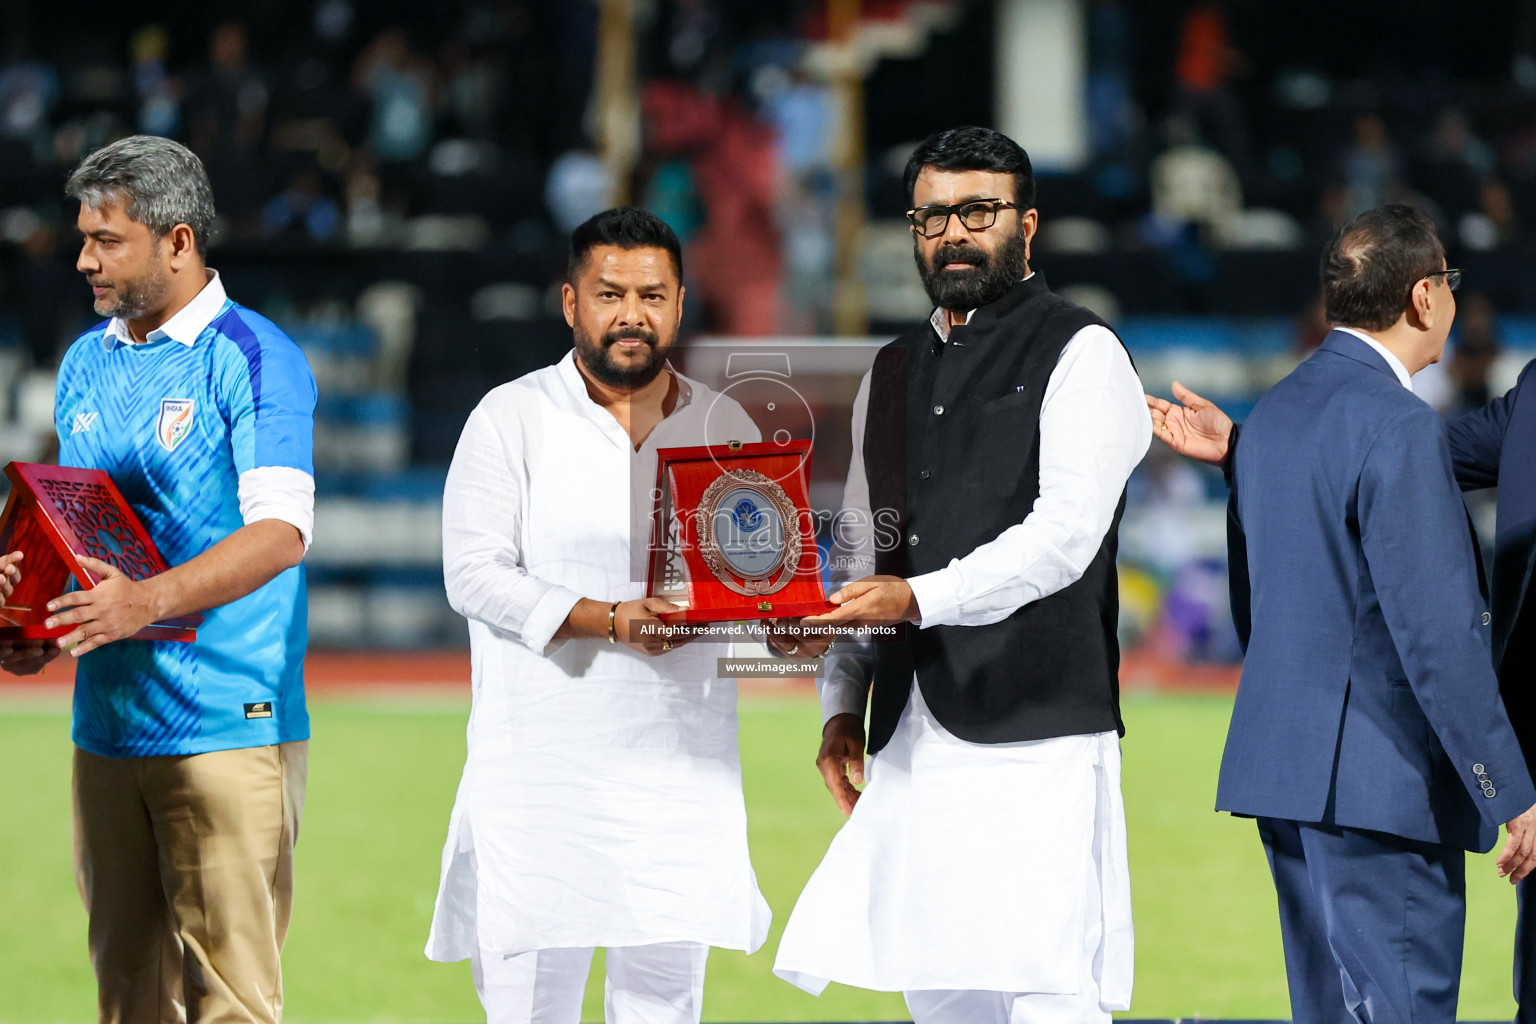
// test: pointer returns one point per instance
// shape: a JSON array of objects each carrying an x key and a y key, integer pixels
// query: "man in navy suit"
[
  {"x": 1491, "y": 446},
  {"x": 1495, "y": 446},
  {"x": 1368, "y": 738}
]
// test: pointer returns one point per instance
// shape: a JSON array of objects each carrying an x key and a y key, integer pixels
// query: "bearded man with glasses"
[{"x": 982, "y": 872}]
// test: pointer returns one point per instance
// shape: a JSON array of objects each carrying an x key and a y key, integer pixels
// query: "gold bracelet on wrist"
[{"x": 613, "y": 610}]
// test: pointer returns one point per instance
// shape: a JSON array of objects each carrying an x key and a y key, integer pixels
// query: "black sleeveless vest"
[{"x": 952, "y": 447}]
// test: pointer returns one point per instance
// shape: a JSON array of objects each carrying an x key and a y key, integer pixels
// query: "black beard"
[
  {"x": 594, "y": 357},
  {"x": 987, "y": 281}
]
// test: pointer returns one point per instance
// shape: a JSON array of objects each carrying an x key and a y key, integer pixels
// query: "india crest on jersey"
[{"x": 175, "y": 422}]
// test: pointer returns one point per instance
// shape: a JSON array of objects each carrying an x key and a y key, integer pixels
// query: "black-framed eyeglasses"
[
  {"x": 1452, "y": 277},
  {"x": 977, "y": 215}
]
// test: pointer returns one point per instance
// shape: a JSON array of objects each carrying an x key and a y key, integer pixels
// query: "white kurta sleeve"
[
  {"x": 482, "y": 555},
  {"x": 845, "y": 687},
  {"x": 1094, "y": 429}
]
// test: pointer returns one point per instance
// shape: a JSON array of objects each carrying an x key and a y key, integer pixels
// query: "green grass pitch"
[{"x": 382, "y": 777}]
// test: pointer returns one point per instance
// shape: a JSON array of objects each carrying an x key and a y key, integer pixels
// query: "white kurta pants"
[
  {"x": 662, "y": 983},
  {"x": 994, "y": 870}
]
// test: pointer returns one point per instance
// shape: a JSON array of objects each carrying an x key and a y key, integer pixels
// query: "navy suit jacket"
[
  {"x": 1367, "y": 697},
  {"x": 1496, "y": 446}
]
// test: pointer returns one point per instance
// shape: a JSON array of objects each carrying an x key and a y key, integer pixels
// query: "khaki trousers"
[{"x": 185, "y": 865}]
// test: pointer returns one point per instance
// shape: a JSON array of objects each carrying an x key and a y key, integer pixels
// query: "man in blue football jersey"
[{"x": 190, "y": 759}]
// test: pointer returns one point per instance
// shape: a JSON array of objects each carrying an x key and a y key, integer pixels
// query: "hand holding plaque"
[
  {"x": 733, "y": 534},
  {"x": 10, "y": 575},
  {"x": 61, "y": 518}
]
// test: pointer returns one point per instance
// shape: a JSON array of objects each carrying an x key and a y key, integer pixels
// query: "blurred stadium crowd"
[{"x": 396, "y": 184}]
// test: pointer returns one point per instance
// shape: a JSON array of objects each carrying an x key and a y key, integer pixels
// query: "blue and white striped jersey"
[{"x": 176, "y": 421}]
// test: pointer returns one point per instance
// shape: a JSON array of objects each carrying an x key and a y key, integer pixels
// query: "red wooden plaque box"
[
  {"x": 677, "y": 569},
  {"x": 54, "y": 515}
]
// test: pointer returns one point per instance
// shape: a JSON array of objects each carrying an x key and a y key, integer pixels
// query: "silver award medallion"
[{"x": 749, "y": 532}]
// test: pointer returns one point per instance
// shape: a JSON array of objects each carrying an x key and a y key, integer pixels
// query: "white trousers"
[
  {"x": 655, "y": 984},
  {"x": 940, "y": 1006}
]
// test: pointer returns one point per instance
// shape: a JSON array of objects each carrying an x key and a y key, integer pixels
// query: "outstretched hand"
[
  {"x": 1194, "y": 427},
  {"x": 871, "y": 601}
]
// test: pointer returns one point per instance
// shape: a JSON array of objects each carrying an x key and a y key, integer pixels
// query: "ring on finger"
[{"x": 666, "y": 643}]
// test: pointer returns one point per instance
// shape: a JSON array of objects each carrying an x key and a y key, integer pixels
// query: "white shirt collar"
[
  {"x": 940, "y": 322},
  {"x": 1395, "y": 363},
  {"x": 189, "y": 322}
]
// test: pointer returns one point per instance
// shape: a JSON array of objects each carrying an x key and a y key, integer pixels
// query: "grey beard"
[{"x": 136, "y": 299}]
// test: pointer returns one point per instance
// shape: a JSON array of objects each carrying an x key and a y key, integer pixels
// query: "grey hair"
[{"x": 159, "y": 183}]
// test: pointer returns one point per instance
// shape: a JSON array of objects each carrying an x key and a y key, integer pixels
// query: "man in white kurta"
[
  {"x": 601, "y": 800},
  {"x": 986, "y": 881}
]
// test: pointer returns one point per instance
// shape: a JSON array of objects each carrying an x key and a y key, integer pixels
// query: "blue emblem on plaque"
[
  {"x": 748, "y": 516},
  {"x": 748, "y": 532}
]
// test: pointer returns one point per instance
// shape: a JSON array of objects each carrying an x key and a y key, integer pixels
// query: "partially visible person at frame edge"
[
  {"x": 1359, "y": 596},
  {"x": 190, "y": 759}
]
